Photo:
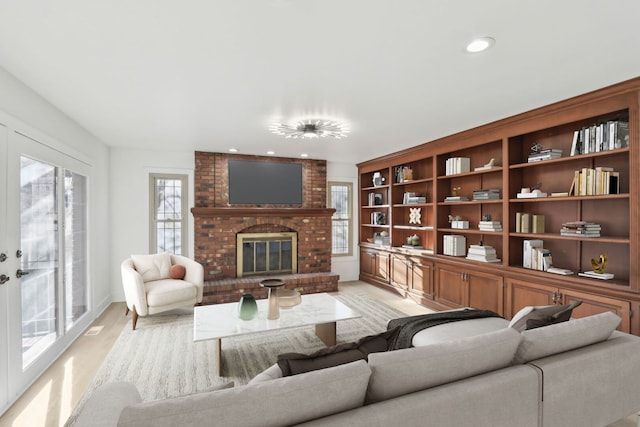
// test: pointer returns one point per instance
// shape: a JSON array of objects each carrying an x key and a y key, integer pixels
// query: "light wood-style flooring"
[{"x": 51, "y": 399}]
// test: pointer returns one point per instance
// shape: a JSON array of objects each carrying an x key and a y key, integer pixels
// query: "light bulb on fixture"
[
  {"x": 481, "y": 44},
  {"x": 310, "y": 128}
]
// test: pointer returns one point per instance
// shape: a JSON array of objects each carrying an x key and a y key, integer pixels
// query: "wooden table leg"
[
  {"x": 327, "y": 333},
  {"x": 217, "y": 357}
]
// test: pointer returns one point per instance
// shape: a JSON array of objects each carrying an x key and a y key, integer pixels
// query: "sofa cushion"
[
  {"x": 395, "y": 373},
  {"x": 297, "y": 363},
  {"x": 152, "y": 267},
  {"x": 565, "y": 336},
  {"x": 458, "y": 330},
  {"x": 284, "y": 401},
  {"x": 532, "y": 317},
  {"x": 169, "y": 291},
  {"x": 271, "y": 373},
  {"x": 177, "y": 272}
]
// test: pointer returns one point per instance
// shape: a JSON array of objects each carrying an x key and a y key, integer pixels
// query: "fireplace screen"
[{"x": 266, "y": 253}]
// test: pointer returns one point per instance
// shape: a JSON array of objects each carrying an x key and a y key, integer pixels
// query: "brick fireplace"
[{"x": 217, "y": 224}]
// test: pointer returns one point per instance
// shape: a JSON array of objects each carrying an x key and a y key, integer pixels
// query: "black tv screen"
[{"x": 264, "y": 182}]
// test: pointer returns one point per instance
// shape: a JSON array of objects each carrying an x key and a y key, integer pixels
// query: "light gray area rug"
[{"x": 162, "y": 360}]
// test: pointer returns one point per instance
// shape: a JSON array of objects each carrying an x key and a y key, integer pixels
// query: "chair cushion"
[
  {"x": 152, "y": 267},
  {"x": 169, "y": 291}
]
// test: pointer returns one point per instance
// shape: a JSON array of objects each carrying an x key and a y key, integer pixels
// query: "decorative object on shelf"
[
  {"x": 415, "y": 215},
  {"x": 486, "y": 217},
  {"x": 413, "y": 241},
  {"x": 247, "y": 307},
  {"x": 599, "y": 264},
  {"x": 311, "y": 128},
  {"x": 531, "y": 192},
  {"x": 382, "y": 238},
  {"x": 538, "y": 153},
  {"x": 378, "y": 179},
  {"x": 490, "y": 165},
  {"x": 458, "y": 222}
]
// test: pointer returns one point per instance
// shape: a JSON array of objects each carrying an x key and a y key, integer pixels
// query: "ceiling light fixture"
[
  {"x": 233, "y": 150},
  {"x": 480, "y": 45},
  {"x": 310, "y": 128}
]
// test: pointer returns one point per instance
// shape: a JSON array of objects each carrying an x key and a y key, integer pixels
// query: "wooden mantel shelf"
[{"x": 253, "y": 212}]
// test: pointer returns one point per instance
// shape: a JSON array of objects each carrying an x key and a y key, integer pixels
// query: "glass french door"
[{"x": 46, "y": 232}]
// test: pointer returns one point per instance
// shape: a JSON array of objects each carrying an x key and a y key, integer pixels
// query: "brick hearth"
[{"x": 217, "y": 222}]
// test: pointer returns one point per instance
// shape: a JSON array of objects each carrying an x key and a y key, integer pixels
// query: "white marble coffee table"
[{"x": 214, "y": 322}]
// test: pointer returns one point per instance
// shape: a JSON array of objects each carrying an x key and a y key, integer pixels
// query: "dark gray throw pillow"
[
  {"x": 298, "y": 363},
  {"x": 544, "y": 316},
  {"x": 558, "y": 317}
]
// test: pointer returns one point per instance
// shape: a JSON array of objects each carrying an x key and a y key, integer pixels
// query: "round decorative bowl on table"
[{"x": 288, "y": 298}]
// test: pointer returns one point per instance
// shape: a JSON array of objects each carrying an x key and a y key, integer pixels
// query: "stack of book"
[
  {"x": 489, "y": 194},
  {"x": 490, "y": 226},
  {"x": 551, "y": 153},
  {"x": 454, "y": 245},
  {"x": 455, "y": 165},
  {"x": 580, "y": 229},
  {"x": 456, "y": 199},
  {"x": 411, "y": 197},
  {"x": 482, "y": 253}
]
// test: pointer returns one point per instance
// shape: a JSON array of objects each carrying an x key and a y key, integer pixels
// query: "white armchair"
[{"x": 149, "y": 288}]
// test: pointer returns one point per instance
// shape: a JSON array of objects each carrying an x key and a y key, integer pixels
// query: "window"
[
  {"x": 168, "y": 225},
  {"x": 341, "y": 221}
]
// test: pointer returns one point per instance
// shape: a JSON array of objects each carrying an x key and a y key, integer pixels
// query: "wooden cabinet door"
[
  {"x": 485, "y": 292},
  {"x": 596, "y": 304},
  {"x": 421, "y": 282},
  {"x": 521, "y": 294},
  {"x": 451, "y": 288},
  {"x": 382, "y": 266},
  {"x": 367, "y": 262},
  {"x": 400, "y": 270}
]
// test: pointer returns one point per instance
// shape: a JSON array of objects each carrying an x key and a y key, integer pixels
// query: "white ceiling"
[{"x": 213, "y": 74}]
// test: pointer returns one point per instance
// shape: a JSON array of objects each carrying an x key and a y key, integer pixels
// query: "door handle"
[
  {"x": 20, "y": 273},
  {"x": 4, "y": 279}
]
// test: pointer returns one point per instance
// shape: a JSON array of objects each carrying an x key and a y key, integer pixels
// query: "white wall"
[
  {"x": 30, "y": 114},
  {"x": 348, "y": 267},
  {"x": 129, "y": 211}
]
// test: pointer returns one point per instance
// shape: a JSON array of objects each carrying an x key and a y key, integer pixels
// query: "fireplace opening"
[{"x": 266, "y": 253}]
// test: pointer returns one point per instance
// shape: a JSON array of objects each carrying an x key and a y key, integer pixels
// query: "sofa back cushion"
[
  {"x": 395, "y": 373},
  {"x": 152, "y": 267},
  {"x": 565, "y": 336},
  {"x": 283, "y": 401}
]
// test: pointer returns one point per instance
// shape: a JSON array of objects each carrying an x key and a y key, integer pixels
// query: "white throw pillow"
[{"x": 152, "y": 267}]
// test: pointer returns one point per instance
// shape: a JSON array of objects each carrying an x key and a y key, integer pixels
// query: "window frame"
[
  {"x": 348, "y": 220},
  {"x": 184, "y": 203}
]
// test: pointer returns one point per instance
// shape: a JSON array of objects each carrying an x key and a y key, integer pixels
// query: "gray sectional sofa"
[{"x": 575, "y": 373}]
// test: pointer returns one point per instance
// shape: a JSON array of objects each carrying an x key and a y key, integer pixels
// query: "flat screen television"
[{"x": 265, "y": 182}]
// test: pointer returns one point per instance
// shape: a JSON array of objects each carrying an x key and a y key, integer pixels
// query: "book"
[
  {"x": 537, "y": 223},
  {"x": 594, "y": 275},
  {"x": 456, "y": 199},
  {"x": 562, "y": 271},
  {"x": 527, "y": 251}
]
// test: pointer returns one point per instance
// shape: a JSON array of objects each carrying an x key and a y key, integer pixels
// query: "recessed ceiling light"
[
  {"x": 271, "y": 153},
  {"x": 233, "y": 150},
  {"x": 304, "y": 155},
  {"x": 481, "y": 44}
]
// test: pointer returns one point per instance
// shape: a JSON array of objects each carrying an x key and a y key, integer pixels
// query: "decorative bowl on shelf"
[{"x": 370, "y": 240}]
